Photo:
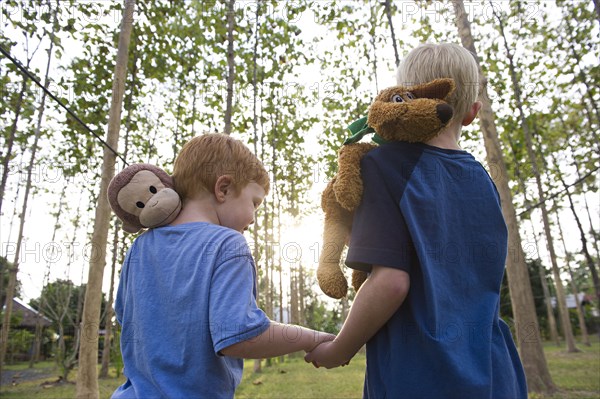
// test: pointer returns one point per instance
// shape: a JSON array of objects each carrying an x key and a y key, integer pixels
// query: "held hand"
[
  {"x": 321, "y": 337},
  {"x": 326, "y": 355}
]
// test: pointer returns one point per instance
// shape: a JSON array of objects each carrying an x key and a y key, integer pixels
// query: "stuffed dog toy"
[{"x": 399, "y": 113}]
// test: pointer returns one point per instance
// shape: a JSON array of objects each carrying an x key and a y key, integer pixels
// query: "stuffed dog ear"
[{"x": 439, "y": 88}]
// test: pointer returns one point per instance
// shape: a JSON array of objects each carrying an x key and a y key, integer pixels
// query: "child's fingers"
[
  {"x": 308, "y": 358},
  {"x": 324, "y": 337}
]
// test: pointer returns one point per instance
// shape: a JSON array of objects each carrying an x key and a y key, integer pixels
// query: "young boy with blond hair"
[
  {"x": 430, "y": 232},
  {"x": 187, "y": 295}
]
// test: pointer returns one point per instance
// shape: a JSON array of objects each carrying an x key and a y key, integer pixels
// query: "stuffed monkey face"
[
  {"x": 415, "y": 114},
  {"x": 146, "y": 197}
]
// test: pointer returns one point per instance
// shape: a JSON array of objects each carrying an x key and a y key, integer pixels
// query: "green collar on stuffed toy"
[{"x": 359, "y": 129}]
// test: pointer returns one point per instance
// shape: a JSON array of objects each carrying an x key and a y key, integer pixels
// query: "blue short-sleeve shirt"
[
  {"x": 435, "y": 213},
  {"x": 186, "y": 292}
]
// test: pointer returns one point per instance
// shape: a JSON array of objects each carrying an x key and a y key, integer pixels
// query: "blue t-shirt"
[
  {"x": 186, "y": 292},
  {"x": 436, "y": 214}
]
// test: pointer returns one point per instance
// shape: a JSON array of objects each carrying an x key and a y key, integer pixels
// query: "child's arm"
[
  {"x": 376, "y": 301},
  {"x": 277, "y": 340}
]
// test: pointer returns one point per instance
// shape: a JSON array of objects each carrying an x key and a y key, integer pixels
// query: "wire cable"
[{"x": 52, "y": 96}]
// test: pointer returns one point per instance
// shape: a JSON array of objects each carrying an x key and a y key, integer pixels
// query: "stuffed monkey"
[{"x": 142, "y": 196}]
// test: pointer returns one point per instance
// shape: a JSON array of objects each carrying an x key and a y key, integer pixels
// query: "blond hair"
[
  {"x": 205, "y": 158},
  {"x": 446, "y": 60}
]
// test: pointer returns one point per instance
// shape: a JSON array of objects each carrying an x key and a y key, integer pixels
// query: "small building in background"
[{"x": 30, "y": 316}]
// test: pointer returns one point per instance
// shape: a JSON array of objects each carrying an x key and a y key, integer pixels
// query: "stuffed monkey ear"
[{"x": 439, "y": 88}]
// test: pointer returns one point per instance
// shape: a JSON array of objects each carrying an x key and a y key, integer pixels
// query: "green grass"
[
  {"x": 576, "y": 374},
  {"x": 297, "y": 379}
]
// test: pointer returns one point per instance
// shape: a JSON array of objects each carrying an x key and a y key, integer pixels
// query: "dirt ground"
[{"x": 14, "y": 377}]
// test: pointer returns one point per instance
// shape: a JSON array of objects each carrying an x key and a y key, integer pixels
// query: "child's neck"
[
  {"x": 448, "y": 138},
  {"x": 197, "y": 210}
]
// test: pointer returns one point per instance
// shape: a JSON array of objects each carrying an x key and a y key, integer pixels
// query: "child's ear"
[
  {"x": 471, "y": 114},
  {"x": 222, "y": 187}
]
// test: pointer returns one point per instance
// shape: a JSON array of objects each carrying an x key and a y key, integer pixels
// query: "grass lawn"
[
  {"x": 297, "y": 379},
  {"x": 576, "y": 374}
]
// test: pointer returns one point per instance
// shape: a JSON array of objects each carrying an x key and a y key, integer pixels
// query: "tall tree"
[
  {"x": 560, "y": 294},
  {"x": 257, "y": 368},
  {"x": 109, "y": 308},
  {"x": 230, "y": 64},
  {"x": 580, "y": 316},
  {"x": 519, "y": 174},
  {"x": 373, "y": 40},
  {"x": 87, "y": 381},
  {"x": 547, "y": 299},
  {"x": 28, "y": 185},
  {"x": 388, "y": 13},
  {"x": 528, "y": 335},
  {"x": 584, "y": 242},
  {"x": 42, "y": 302},
  {"x": 117, "y": 256},
  {"x": 62, "y": 304},
  {"x": 24, "y": 22}
]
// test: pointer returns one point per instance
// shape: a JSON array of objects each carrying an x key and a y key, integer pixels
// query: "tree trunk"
[
  {"x": 42, "y": 304},
  {"x": 373, "y": 22},
  {"x": 10, "y": 142},
  {"x": 13, "y": 129},
  {"x": 549, "y": 310},
  {"x": 584, "y": 247},
  {"x": 257, "y": 368},
  {"x": 388, "y": 13},
  {"x": 109, "y": 305},
  {"x": 547, "y": 299},
  {"x": 589, "y": 260},
  {"x": 12, "y": 281},
  {"x": 580, "y": 318},
  {"x": 277, "y": 212},
  {"x": 302, "y": 295},
  {"x": 527, "y": 329},
  {"x": 176, "y": 137},
  {"x": 541, "y": 269},
  {"x": 560, "y": 294},
  {"x": 87, "y": 381},
  {"x": 294, "y": 315},
  {"x": 38, "y": 327},
  {"x": 129, "y": 102},
  {"x": 109, "y": 308},
  {"x": 72, "y": 360},
  {"x": 230, "y": 64}
]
